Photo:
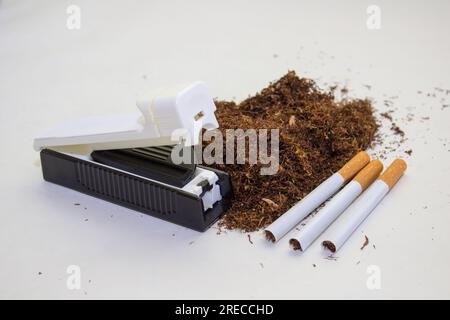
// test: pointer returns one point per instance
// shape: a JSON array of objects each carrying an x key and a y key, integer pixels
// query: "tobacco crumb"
[
  {"x": 269, "y": 236},
  {"x": 261, "y": 264},
  {"x": 295, "y": 244},
  {"x": 272, "y": 204},
  {"x": 249, "y": 239},
  {"x": 374, "y": 247},
  {"x": 318, "y": 135},
  {"x": 86, "y": 219},
  {"x": 408, "y": 152},
  {"x": 292, "y": 121},
  {"x": 190, "y": 243},
  {"x": 386, "y": 115},
  {"x": 39, "y": 273},
  {"x": 329, "y": 245},
  {"x": 314, "y": 265},
  {"x": 396, "y": 129},
  {"x": 366, "y": 242},
  {"x": 76, "y": 204}
]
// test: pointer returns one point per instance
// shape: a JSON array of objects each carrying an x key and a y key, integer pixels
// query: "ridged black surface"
[
  {"x": 152, "y": 162},
  {"x": 126, "y": 188},
  {"x": 135, "y": 192}
]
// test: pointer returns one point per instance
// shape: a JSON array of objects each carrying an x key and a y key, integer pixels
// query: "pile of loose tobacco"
[{"x": 317, "y": 136}]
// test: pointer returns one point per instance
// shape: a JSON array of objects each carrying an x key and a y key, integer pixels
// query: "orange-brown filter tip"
[
  {"x": 355, "y": 164},
  {"x": 369, "y": 173},
  {"x": 394, "y": 172}
]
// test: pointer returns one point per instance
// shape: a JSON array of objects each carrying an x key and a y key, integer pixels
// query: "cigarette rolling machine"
[{"x": 128, "y": 159}]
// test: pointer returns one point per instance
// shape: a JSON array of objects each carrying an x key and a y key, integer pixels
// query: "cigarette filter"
[
  {"x": 363, "y": 206},
  {"x": 303, "y": 238},
  {"x": 299, "y": 211}
]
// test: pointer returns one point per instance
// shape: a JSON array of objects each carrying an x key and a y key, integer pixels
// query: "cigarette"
[
  {"x": 330, "y": 186},
  {"x": 314, "y": 228},
  {"x": 363, "y": 206}
]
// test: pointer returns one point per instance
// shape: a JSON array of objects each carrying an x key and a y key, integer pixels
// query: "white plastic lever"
[{"x": 189, "y": 108}]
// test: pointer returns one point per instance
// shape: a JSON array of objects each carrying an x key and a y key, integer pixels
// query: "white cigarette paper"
[
  {"x": 314, "y": 228},
  {"x": 362, "y": 207},
  {"x": 300, "y": 210}
]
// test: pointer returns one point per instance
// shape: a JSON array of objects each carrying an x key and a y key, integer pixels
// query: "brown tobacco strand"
[{"x": 317, "y": 136}]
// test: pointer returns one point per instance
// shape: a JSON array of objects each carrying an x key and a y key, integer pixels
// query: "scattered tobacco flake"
[
  {"x": 39, "y": 273},
  {"x": 192, "y": 242},
  {"x": 324, "y": 135},
  {"x": 261, "y": 264},
  {"x": 314, "y": 265},
  {"x": 76, "y": 204},
  {"x": 86, "y": 219},
  {"x": 331, "y": 258},
  {"x": 408, "y": 152},
  {"x": 396, "y": 129},
  {"x": 249, "y": 239},
  {"x": 386, "y": 115},
  {"x": 366, "y": 242}
]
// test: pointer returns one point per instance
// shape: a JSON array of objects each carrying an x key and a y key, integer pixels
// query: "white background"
[{"x": 49, "y": 73}]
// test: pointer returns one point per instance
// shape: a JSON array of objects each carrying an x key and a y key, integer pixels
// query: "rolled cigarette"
[
  {"x": 314, "y": 228},
  {"x": 363, "y": 206},
  {"x": 330, "y": 186}
]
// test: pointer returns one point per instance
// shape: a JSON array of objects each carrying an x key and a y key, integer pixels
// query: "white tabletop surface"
[{"x": 49, "y": 73}]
